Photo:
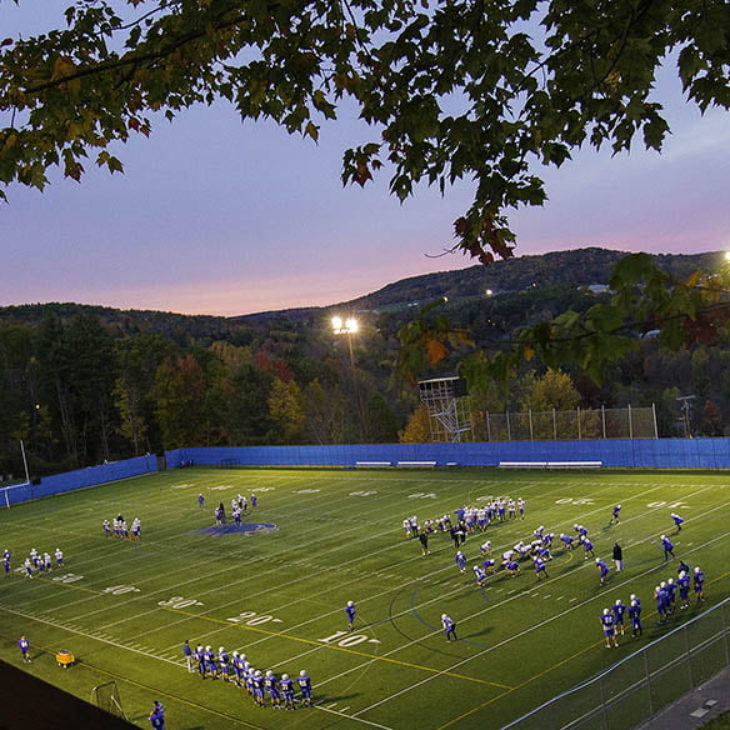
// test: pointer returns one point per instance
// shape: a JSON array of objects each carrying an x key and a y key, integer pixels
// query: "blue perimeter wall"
[
  {"x": 89, "y": 477},
  {"x": 660, "y": 453}
]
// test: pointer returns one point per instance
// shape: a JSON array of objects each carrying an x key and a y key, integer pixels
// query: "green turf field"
[{"x": 124, "y": 608}]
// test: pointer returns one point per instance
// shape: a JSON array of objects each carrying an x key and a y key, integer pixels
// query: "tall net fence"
[
  {"x": 641, "y": 685},
  {"x": 603, "y": 423}
]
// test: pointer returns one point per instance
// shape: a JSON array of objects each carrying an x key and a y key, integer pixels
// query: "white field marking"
[
  {"x": 267, "y": 557},
  {"x": 273, "y": 588},
  {"x": 181, "y": 486},
  {"x": 439, "y": 599},
  {"x": 538, "y": 484},
  {"x": 317, "y": 618},
  {"x": 225, "y": 570},
  {"x": 512, "y": 638},
  {"x": 492, "y": 607},
  {"x": 350, "y": 717},
  {"x": 81, "y": 632},
  {"x": 104, "y": 504},
  {"x": 560, "y": 598}
]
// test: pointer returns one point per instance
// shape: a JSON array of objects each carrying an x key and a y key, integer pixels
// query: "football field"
[{"x": 277, "y": 592}]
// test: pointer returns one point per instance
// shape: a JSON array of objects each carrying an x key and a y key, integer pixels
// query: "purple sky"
[{"x": 213, "y": 216}]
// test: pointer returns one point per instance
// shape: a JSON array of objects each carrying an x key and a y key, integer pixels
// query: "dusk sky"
[{"x": 215, "y": 216}]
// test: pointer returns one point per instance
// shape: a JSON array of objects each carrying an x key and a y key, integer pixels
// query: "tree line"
[{"x": 81, "y": 385}]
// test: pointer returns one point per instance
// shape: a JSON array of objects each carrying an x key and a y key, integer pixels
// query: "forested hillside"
[{"x": 83, "y": 384}]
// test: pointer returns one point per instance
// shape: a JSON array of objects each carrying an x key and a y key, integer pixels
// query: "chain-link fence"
[
  {"x": 638, "y": 687},
  {"x": 603, "y": 423}
]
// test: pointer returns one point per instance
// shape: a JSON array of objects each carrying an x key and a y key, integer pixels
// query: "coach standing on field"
[{"x": 618, "y": 557}]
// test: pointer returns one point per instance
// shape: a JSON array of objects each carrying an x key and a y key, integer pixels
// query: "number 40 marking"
[{"x": 350, "y": 640}]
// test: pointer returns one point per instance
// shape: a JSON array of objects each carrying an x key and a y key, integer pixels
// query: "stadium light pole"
[{"x": 350, "y": 327}]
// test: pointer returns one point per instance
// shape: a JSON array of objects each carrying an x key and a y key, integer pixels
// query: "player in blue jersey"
[
  {"x": 683, "y": 584},
  {"x": 588, "y": 548},
  {"x": 24, "y": 647},
  {"x": 581, "y": 531},
  {"x": 201, "y": 500},
  {"x": 699, "y": 584},
  {"x": 254, "y": 501},
  {"x": 567, "y": 540},
  {"x": 602, "y": 571},
  {"x": 248, "y": 675},
  {"x": 210, "y": 664},
  {"x": 287, "y": 691},
  {"x": 223, "y": 660},
  {"x": 107, "y": 528},
  {"x": 671, "y": 589},
  {"x": 488, "y": 566},
  {"x": 615, "y": 515},
  {"x": 682, "y": 567},
  {"x": 660, "y": 596},
  {"x": 668, "y": 547},
  {"x": 677, "y": 521},
  {"x": 6, "y": 565},
  {"x": 28, "y": 568},
  {"x": 305, "y": 687},
  {"x": 479, "y": 575},
  {"x": 608, "y": 624},
  {"x": 237, "y": 666},
  {"x": 157, "y": 717},
  {"x": 619, "y": 611},
  {"x": 449, "y": 626},
  {"x": 540, "y": 568},
  {"x": 59, "y": 557},
  {"x": 635, "y": 617},
  {"x": 199, "y": 658},
  {"x": 350, "y": 611},
  {"x": 460, "y": 559},
  {"x": 258, "y": 688},
  {"x": 486, "y": 548},
  {"x": 271, "y": 685},
  {"x": 521, "y": 508},
  {"x": 513, "y": 567}
]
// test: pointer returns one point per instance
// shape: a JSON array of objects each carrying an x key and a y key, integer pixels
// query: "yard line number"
[
  {"x": 251, "y": 618},
  {"x": 68, "y": 578},
  {"x": 121, "y": 590},
  {"x": 349, "y": 640},
  {"x": 179, "y": 602}
]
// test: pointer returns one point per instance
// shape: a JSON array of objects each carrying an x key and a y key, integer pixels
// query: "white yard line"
[{"x": 518, "y": 635}]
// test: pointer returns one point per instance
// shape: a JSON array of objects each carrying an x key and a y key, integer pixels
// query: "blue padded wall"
[
  {"x": 89, "y": 477},
  {"x": 649, "y": 453}
]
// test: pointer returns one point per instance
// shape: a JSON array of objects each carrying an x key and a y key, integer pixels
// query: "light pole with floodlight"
[{"x": 350, "y": 327}]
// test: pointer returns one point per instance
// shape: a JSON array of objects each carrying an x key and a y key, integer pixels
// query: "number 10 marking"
[{"x": 351, "y": 640}]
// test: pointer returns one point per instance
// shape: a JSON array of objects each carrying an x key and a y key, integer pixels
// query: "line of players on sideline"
[
  {"x": 237, "y": 669},
  {"x": 38, "y": 563},
  {"x": 470, "y": 520}
]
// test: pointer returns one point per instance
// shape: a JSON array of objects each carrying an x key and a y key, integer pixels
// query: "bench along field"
[{"x": 323, "y": 537}]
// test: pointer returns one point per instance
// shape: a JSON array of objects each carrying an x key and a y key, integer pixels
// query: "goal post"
[{"x": 106, "y": 696}]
